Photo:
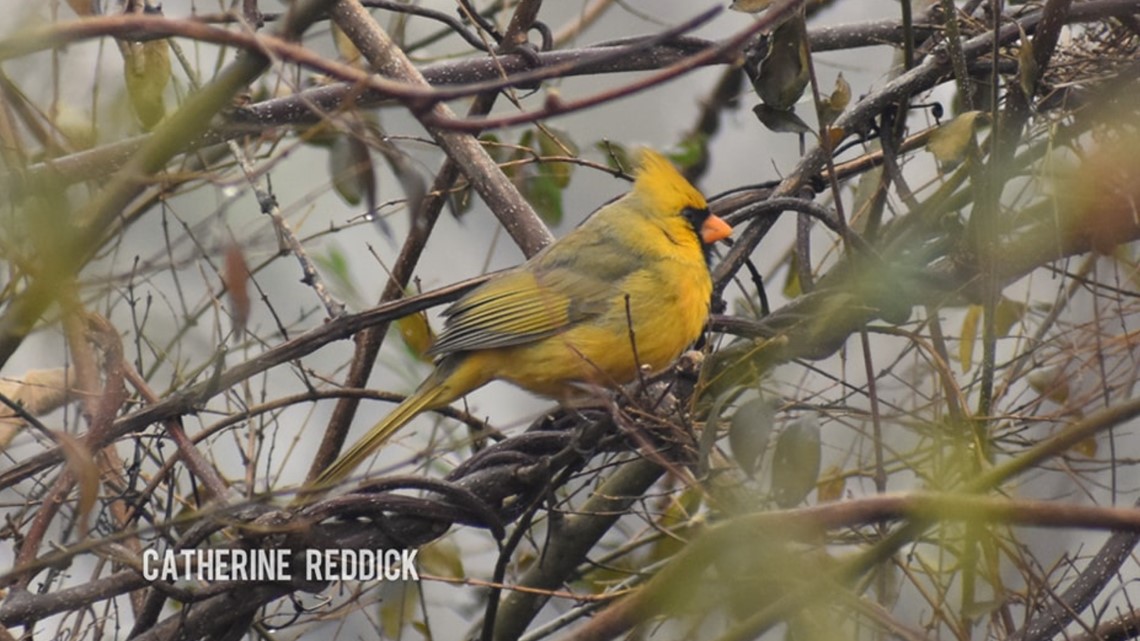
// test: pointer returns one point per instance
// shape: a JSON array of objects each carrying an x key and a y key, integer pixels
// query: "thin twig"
[{"x": 500, "y": 194}]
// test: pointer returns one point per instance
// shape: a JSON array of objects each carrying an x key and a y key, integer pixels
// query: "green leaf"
[
  {"x": 494, "y": 147},
  {"x": 781, "y": 121},
  {"x": 691, "y": 151},
  {"x": 792, "y": 287},
  {"x": 709, "y": 433},
  {"x": 350, "y": 166},
  {"x": 548, "y": 145},
  {"x": 783, "y": 73},
  {"x": 322, "y": 134},
  {"x": 460, "y": 201},
  {"x": 742, "y": 364},
  {"x": 795, "y": 463},
  {"x": 334, "y": 264},
  {"x": 617, "y": 155},
  {"x": 524, "y": 141},
  {"x": 544, "y": 194},
  {"x": 749, "y": 433}
]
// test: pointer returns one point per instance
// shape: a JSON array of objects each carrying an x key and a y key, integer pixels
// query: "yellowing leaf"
[
  {"x": 968, "y": 335},
  {"x": 1007, "y": 314},
  {"x": 398, "y": 608},
  {"x": 835, "y": 135},
  {"x": 442, "y": 558},
  {"x": 682, "y": 508},
  {"x": 750, "y": 6},
  {"x": 832, "y": 484},
  {"x": 679, "y": 518},
  {"x": 1050, "y": 383},
  {"x": 841, "y": 94},
  {"x": 950, "y": 141},
  {"x": 1087, "y": 447},
  {"x": 75, "y": 126},
  {"x": 347, "y": 50},
  {"x": 834, "y": 104},
  {"x": 792, "y": 287},
  {"x": 146, "y": 67}
]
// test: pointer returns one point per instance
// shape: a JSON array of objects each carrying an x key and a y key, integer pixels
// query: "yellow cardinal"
[{"x": 563, "y": 319}]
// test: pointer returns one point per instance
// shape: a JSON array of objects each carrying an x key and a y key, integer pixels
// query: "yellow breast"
[{"x": 666, "y": 311}]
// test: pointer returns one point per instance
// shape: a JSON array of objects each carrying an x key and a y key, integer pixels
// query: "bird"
[{"x": 628, "y": 288}]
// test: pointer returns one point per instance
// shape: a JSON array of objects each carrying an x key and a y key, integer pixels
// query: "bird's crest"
[{"x": 662, "y": 187}]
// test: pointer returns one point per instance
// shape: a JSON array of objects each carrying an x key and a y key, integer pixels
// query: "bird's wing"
[{"x": 544, "y": 297}]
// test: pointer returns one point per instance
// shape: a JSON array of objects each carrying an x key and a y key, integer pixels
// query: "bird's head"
[{"x": 666, "y": 193}]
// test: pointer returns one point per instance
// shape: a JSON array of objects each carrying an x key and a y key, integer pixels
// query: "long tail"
[
  {"x": 453, "y": 377},
  {"x": 431, "y": 394}
]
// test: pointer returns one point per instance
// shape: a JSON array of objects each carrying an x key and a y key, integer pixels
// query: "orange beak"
[{"x": 714, "y": 229}]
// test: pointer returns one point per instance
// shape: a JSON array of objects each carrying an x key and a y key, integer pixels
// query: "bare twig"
[{"x": 500, "y": 194}]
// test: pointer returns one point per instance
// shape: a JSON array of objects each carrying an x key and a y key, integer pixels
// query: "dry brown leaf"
[
  {"x": 236, "y": 278},
  {"x": 1100, "y": 196},
  {"x": 39, "y": 391},
  {"x": 82, "y": 8}
]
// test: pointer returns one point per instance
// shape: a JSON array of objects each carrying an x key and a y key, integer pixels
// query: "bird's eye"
[{"x": 696, "y": 217}]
